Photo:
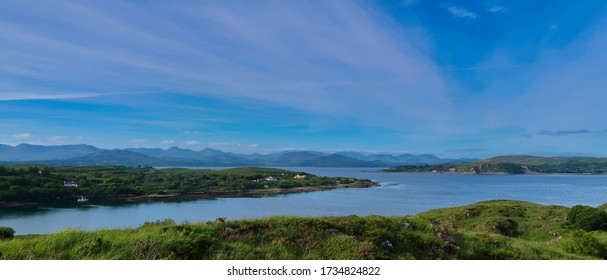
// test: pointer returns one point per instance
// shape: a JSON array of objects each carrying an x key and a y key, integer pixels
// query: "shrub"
[
  {"x": 587, "y": 218},
  {"x": 6, "y": 233},
  {"x": 507, "y": 227},
  {"x": 581, "y": 242}
]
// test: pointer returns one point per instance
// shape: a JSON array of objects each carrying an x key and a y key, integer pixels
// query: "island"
[
  {"x": 23, "y": 184},
  {"x": 514, "y": 165}
]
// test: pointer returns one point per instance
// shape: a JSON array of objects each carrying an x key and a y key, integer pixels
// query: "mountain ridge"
[{"x": 83, "y": 154}]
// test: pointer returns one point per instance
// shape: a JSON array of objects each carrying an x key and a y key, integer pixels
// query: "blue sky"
[{"x": 452, "y": 78}]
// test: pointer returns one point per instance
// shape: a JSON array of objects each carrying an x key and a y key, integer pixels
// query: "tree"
[
  {"x": 587, "y": 218},
  {"x": 6, "y": 233}
]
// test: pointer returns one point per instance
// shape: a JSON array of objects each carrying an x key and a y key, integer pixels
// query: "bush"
[
  {"x": 583, "y": 243},
  {"x": 6, "y": 233},
  {"x": 587, "y": 218}
]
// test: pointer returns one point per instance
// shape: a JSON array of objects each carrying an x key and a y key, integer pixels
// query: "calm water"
[{"x": 400, "y": 194}]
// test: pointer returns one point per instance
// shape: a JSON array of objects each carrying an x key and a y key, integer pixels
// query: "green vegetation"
[
  {"x": 515, "y": 165},
  {"x": 6, "y": 233},
  {"x": 587, "y": 218},
  {"x": 583, "y": 243},
  {"x": 474, "y": 168},
  {"x": 485, "y": 230},
  {"x": 33, "y": 183}
]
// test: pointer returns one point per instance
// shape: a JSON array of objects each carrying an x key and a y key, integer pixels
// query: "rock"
[
  {"x": 408, "y": 227},
  {"x": 228, "y": 231},
  {"x": 332, "y": 231},
  {"x": 447, "y": 238},
  {"x": 432, "y": 250},
  {"x": 386, "y": 245}
]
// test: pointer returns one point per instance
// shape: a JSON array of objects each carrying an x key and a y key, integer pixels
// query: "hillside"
[
  {"x": 516, "y": 165},
  {"x": 535, "y": 160},
  {"x": 485, "y": 230}
]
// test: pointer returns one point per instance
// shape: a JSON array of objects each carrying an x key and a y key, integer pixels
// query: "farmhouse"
[{"x": 70, "y": 183}]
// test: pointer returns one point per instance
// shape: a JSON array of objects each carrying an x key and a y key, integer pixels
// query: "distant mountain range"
[{"x": 90, "y": 155}]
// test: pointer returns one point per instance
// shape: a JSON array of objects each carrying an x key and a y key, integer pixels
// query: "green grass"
[{"x": 485, "y": 230}]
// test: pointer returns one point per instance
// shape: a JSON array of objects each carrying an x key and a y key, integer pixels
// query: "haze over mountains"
[{"x": 90, "y": 155}]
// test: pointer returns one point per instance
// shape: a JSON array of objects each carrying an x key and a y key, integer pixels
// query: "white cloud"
[
  {"x": 167, "y": 142},
  {"x": 461, "y": 12},
  {"x": 24, "y": 136}
]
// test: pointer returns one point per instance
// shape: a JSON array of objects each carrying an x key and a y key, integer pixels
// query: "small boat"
[{"x": 83, "y": 199}]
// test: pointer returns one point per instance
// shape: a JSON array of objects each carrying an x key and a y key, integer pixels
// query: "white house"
[{"x": 70, "y": 183}]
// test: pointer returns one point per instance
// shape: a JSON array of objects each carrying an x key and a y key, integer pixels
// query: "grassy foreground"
[{"x": 485, "y": 230}]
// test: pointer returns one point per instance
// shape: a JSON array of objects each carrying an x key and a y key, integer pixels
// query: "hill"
[
  {"x": 516, "y": 165},
  {"x": 486, "y": 230}
]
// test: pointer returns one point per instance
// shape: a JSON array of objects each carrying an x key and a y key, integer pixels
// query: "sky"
[{"x": 451, "y": 78}]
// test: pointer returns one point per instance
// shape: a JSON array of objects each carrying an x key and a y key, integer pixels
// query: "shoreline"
[{"x": 210, "y": 194}]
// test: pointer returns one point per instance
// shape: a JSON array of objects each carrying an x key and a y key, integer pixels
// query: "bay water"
[{"x": 399, "y": 194}]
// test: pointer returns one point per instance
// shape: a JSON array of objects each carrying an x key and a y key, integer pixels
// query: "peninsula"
[
  {"x": 22, "y": 184},
  {"x": 514, "y": 165}
]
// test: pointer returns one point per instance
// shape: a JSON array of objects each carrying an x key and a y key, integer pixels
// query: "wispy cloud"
[
  {"x": 569, "y": 132},
  {"x": 461, "y": 12},
  {"x": 340, "y": 62},
  {"x": 167, "y": 142},
  {"x": 232, "y": 145},
  {"x": 496, "y": 9},
  {"x": 192, "y": 143},
  {"x": 64, "y": 139},
  {"x": 563, "y": 81},
  {"x": 24, "y": 136},
  {"x": 46, "y": 96}
]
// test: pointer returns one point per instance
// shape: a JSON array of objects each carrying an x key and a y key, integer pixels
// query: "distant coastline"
[{"x": 519, "y": 165}]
